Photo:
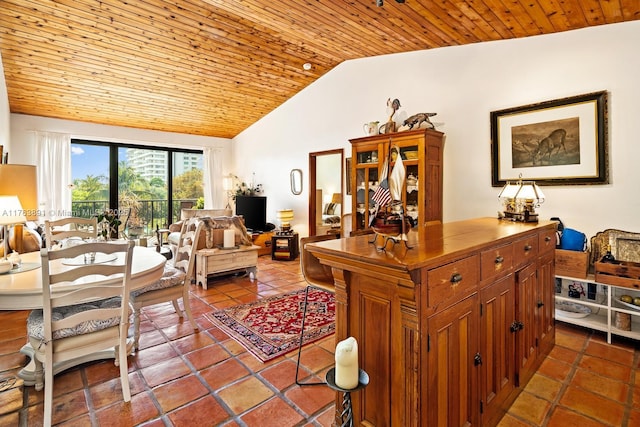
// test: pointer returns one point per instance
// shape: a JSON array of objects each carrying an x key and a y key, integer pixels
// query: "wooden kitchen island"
[{"x": 451, "y": 330}]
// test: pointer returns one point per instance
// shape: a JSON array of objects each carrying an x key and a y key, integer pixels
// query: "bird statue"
[{"x": 392, "y": 106}]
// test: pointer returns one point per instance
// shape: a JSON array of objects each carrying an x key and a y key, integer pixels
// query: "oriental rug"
[{"x": 271, "y": 326}]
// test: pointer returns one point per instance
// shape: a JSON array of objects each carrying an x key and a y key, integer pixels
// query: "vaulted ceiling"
[{"x": 214, "y": 67}]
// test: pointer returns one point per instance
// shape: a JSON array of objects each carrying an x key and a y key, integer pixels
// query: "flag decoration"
[
  {"x": 382, "y": 195},
  {"x": 396, "y": 179}
]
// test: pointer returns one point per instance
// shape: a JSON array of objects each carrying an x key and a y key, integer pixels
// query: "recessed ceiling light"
[{"x": 306, "y": 66}]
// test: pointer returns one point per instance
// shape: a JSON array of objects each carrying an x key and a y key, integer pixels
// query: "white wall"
[
  {"x": 4, "y": 111},
  {"x": 463, "y": 85}
]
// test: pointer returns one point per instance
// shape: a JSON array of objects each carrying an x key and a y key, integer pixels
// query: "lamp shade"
[
  {"x": 11, "y": 211},
  {"x": 227, "y": 183},
  {"x": 285, "y": 215},
  {"x": 336, "y": 198},
  {"x": 21, "y": 180}
]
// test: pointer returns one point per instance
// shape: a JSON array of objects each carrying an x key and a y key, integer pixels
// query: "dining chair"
[
  {"x": 64, "y": 228},
  {"x": 175, "y": 281},
  {"x": 318, "y": 276},
  {"x": 81, "y": 315}
]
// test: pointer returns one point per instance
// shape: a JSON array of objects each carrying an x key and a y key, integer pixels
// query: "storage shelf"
[{"x": 604, "y": 307}]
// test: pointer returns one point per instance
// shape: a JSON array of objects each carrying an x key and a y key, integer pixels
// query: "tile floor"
[{"x": 181, "y": 378}]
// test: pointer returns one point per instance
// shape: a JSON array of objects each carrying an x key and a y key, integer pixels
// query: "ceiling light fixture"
[
  {"x": 380, "y": 3},
  {"x": 306, "y": 66}
]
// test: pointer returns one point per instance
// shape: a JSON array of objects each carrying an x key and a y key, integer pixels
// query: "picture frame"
[
  {"x": 347, "y": 175},
  {"x": 558, "y": 142}
]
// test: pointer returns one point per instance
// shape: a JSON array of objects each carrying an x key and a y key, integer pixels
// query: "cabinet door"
[
  {"x": 453, "y": 376},
  {"x": 545, "y": 303},
  {"x": 497, "y": 374},
  {"x": 365, "y": 180},
  {"x": 526, "y": 292}
]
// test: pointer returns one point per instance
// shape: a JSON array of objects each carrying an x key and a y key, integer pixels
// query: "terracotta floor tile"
[
  {"x": 510, "y": 421},
  {"x": 176, "y": 393},
  {"x": 570, "y": 338},
  {"x": 245, "y": 394},
  {"x": 311, "y": 399},
  {"x": 607, "y": 387},
  {"x": 634, "y": 418},
  {"x": 610, "y": 352},
  {"x": 207, "y": 356},
  {"x": 165, "y": 371},
  {"x": 153, "y": 355},
  {"x": 315, "y": 358},
  {"x": 271, "y": 413},
  {"x": 531, "y": 408},
  {"x": 203, "y": 412},
  {"x": 544, "y": 387},
  {"x": 563, "y": 417},
  {"x": 555, "y": 369},
  {"x": 564, "y": 354},
  {"x": 606, "y": 368},
  {"x": 192, "y": 342},
  {"x": 224, "y": 373},
  {"x": 593, "y": 405},
  {"x": 139, "y": 410},
  {"x": 282, "y": 375}
]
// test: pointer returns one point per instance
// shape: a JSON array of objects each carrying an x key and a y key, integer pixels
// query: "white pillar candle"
[
  {"x": 229, "y": 238},
  {"x": 347, "y": 371}
]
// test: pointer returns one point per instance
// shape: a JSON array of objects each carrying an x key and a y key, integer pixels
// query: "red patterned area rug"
[{"x": 271, "y": 327}]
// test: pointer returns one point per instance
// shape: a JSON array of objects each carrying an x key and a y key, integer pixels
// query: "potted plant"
[{"x": 108, "y": 224}]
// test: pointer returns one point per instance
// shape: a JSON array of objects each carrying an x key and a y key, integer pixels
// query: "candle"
[
  {"x": 347, "y": 372},
  {"x": 229, "y": 238}
]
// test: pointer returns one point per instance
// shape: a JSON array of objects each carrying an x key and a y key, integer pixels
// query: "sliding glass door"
[{"x": 134, "y": 182}]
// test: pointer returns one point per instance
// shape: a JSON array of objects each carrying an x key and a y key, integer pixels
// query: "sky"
[{"x": 89, "y": 160}]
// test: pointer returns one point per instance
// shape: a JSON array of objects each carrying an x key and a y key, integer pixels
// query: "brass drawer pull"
[
  {"x": 547, "y": 239},
  {"x": 527, "y": 248},
  {"x": 499, "y": 259},
  {"x": 456, "y": 278}
]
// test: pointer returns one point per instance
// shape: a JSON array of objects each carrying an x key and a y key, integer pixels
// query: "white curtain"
[
  {"x": 214, "y": 196},
  {"x": 54, "y": 174}
]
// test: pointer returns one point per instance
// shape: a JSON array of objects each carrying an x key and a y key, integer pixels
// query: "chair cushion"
[
  {"x": 35, "y": 321},
  {"x": 171, "y": 277}
]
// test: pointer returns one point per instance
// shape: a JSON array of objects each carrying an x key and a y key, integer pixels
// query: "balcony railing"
[{"x": 152, "y": 213}]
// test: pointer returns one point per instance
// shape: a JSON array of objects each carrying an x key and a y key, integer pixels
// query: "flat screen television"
[{"x": 254, "y": 211}]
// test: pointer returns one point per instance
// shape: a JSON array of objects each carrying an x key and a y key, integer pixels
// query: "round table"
[{"x": 22, "y": 290}]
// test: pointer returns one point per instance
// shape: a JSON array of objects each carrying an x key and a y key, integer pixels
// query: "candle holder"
[{"x": 345, "y": 418}]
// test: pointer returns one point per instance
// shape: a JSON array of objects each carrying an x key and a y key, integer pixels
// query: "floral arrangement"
[{"x": 244, "y": 189}]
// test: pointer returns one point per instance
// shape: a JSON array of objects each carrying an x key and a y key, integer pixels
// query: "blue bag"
[{"x": 573, "y": 240}]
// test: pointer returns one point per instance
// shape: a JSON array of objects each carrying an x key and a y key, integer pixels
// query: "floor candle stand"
[{"x": 345, "y": 418}]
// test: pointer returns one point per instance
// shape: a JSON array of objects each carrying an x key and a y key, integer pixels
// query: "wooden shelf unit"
[{"x": 422, "y": 157}]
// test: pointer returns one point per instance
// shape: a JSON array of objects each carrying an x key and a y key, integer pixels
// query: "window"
[{"x": 134, "y": 182}]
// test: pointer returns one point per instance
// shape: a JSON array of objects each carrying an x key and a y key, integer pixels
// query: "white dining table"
[{"x": 21, "y": 289}]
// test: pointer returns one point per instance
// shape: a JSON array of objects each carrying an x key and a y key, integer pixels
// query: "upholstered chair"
[
  {"x": 81, "y": 315},
  {"x": 175, "y": 281}
]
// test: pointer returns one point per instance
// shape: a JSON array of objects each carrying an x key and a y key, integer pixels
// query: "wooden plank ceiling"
[{"x": 214, "y": 67}]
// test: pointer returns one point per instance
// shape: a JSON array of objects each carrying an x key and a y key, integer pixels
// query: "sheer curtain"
[
  {"x": 213, "y": 194},
  {"x": 54, "y": 174}
]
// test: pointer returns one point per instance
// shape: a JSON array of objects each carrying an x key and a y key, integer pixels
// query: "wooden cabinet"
[
  {"x": 450, "y": 331},
  {"x": 421, "y": 153},
  {"x": 284, "y": 246}
]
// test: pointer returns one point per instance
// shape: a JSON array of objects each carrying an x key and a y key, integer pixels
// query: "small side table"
[{"x": 284, "y": 247}]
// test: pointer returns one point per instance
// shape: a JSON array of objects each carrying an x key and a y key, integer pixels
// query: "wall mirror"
[
  {"x": 325, "y": 191},
  {"x": 296, "y": 181}
]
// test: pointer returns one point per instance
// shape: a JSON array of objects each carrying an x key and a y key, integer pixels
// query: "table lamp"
[
  {"x": 11, "y": 212},
  {"x": 227, "y": 186},
  {"x": 285, "y": 216},
  {"x": 520, "y": 200},
  {"x": 21, "y": 180}
]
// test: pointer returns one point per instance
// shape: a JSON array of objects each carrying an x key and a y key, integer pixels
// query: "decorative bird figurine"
[{"x": 394, "y": 105}]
